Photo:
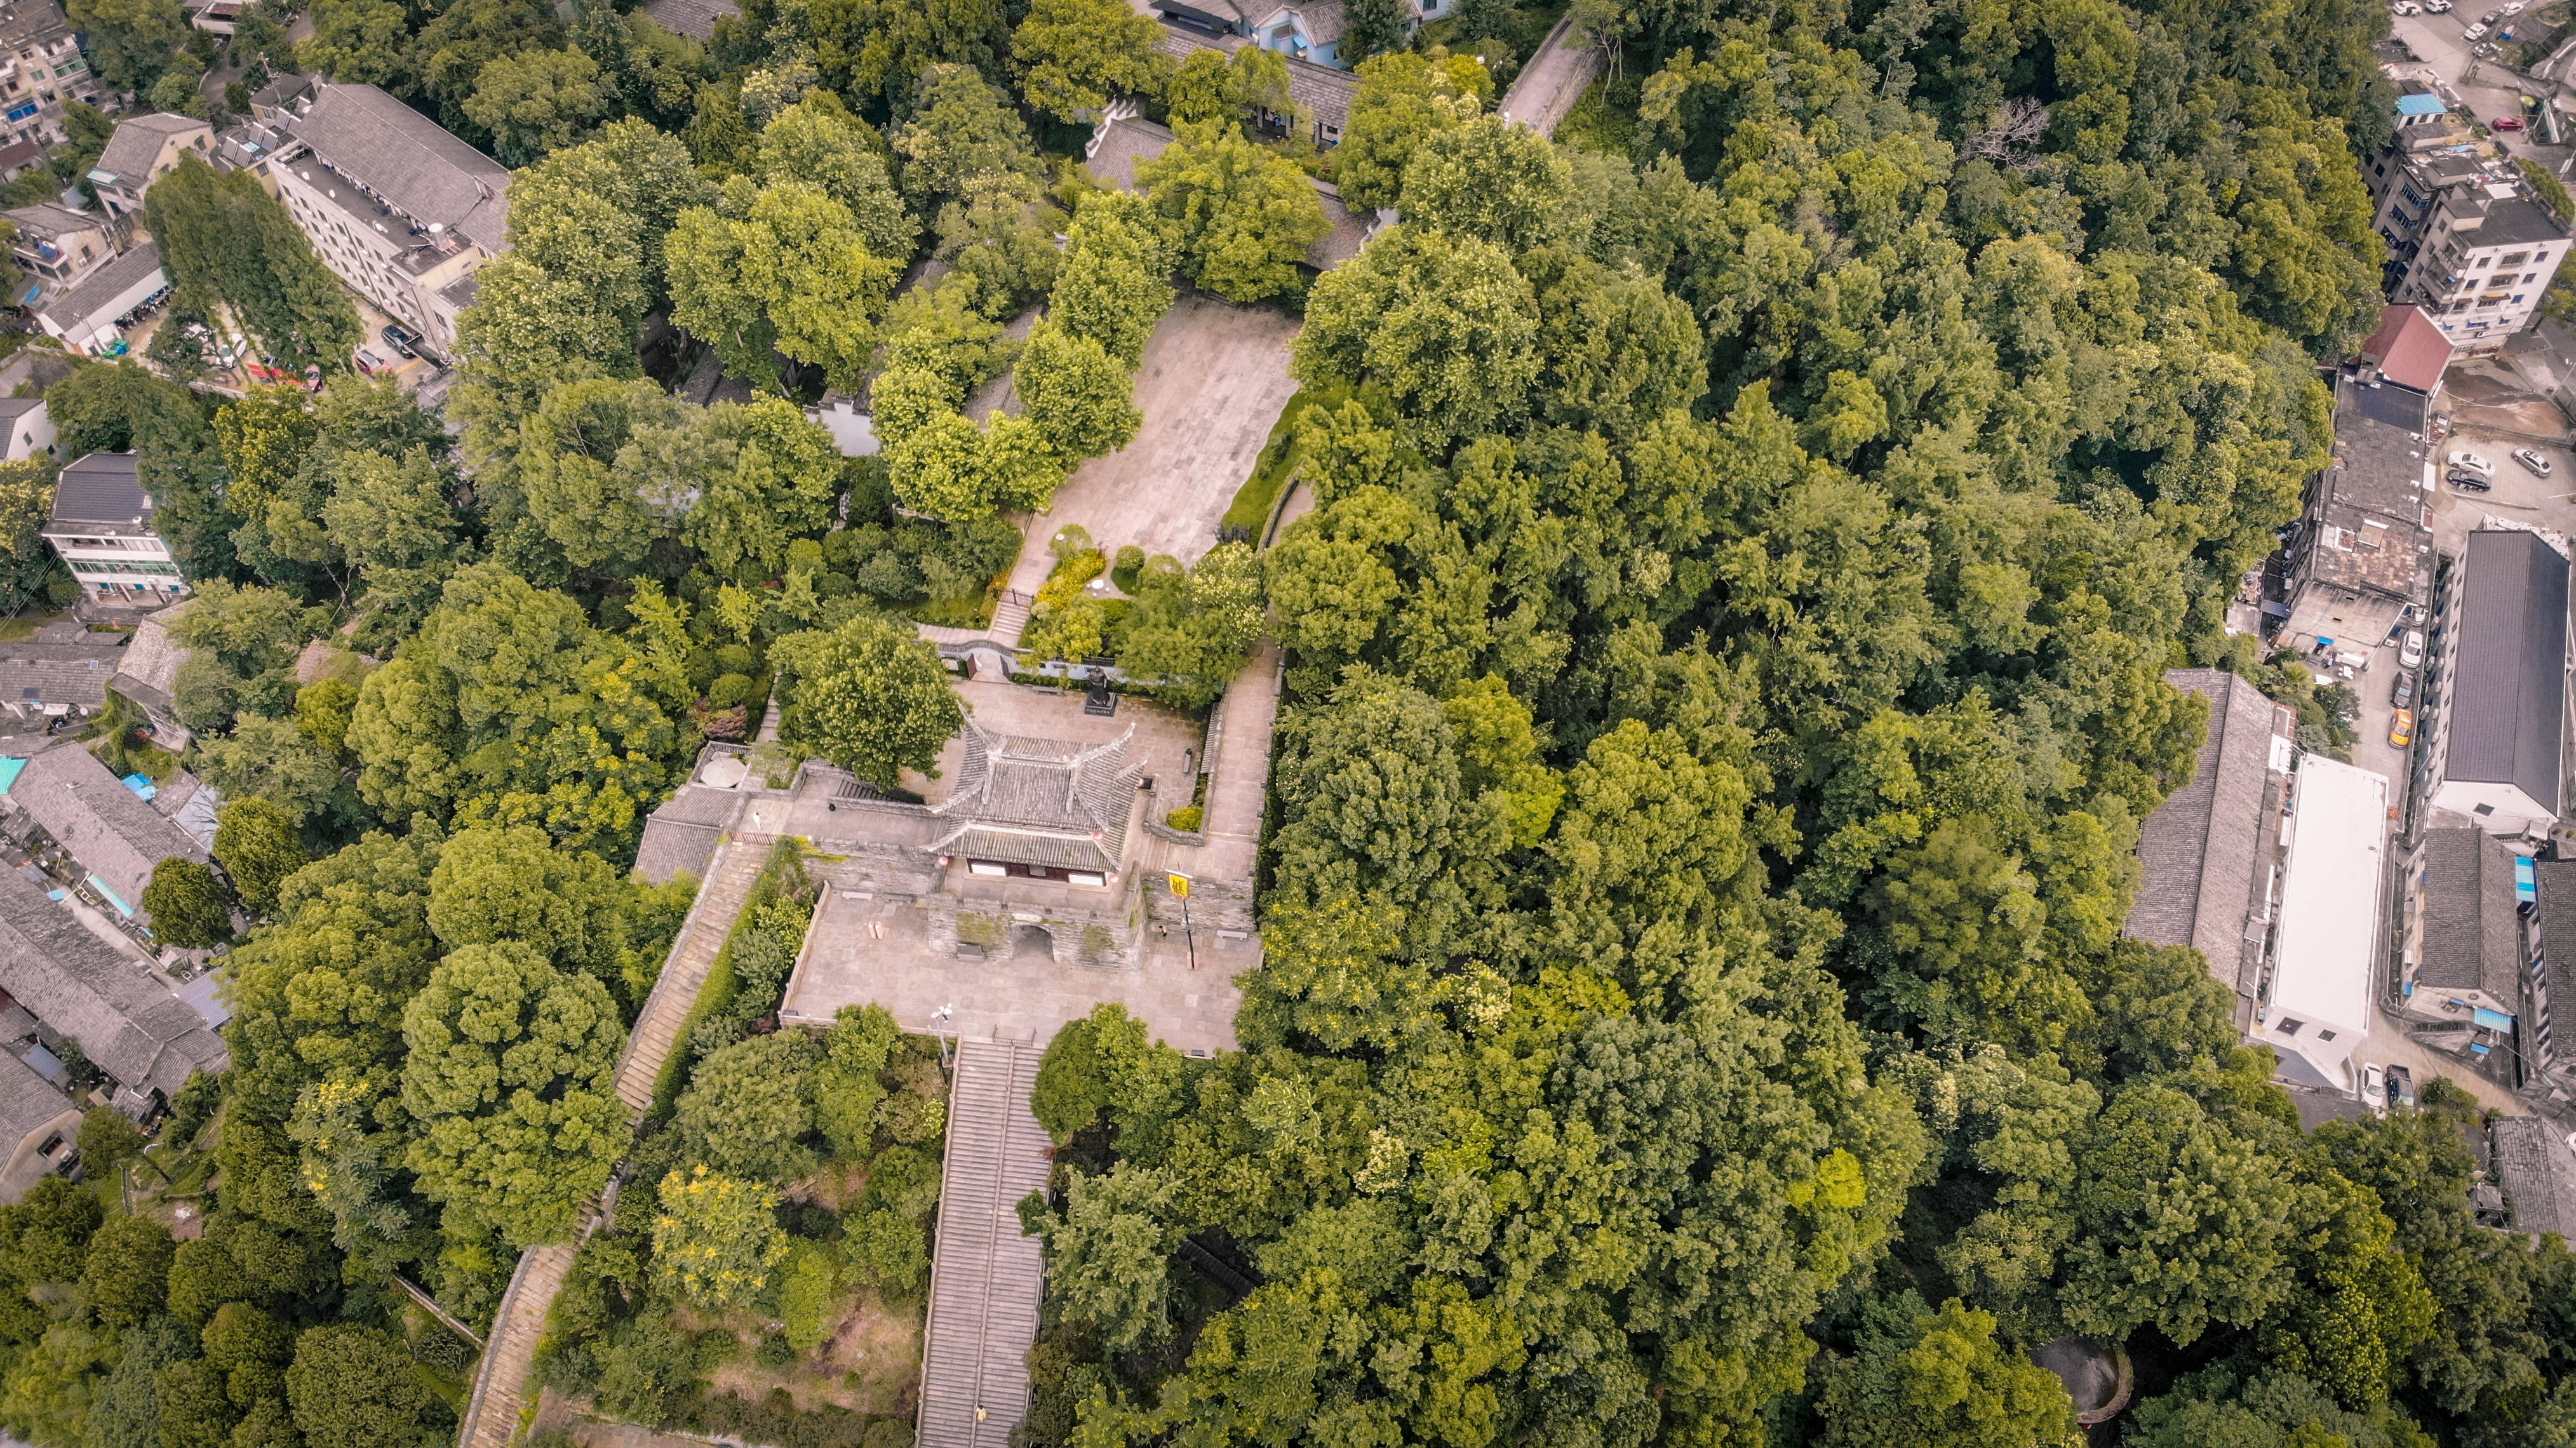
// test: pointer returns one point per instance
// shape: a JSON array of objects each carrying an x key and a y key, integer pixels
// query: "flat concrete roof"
[{"x": 2330, "y": 895}]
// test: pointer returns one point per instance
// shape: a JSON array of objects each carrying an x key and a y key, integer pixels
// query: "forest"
[{"x": 1724, "y": 686}]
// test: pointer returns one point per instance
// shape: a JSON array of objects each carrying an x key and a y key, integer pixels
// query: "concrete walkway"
[
  {"x": 1554, "y": 80},
  {"x": 502, "y": 1387},
  {"x": 1237, "y": 792},
  {"x": 1213, "y": 383}
]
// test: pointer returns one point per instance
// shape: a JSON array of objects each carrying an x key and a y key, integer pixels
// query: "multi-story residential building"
[
  {"x": 102, "y": 530},
  {"x": 58, "y": 247},
  {"x": 2363, "y": 553},
  {"x": 92, "y": 316},
  {"x": 41, "y": 70},
  {"x": 403, "y": 211},
  {"x": 2461, "y": 952},
  {"x": 2492, "y": 747},
  {"x": 141, "y": 151}
]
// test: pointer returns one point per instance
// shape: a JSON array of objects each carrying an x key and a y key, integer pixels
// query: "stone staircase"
[
  {"x": 985, "y": 1278},
  {"x": 736, "y": 868},
  {"x": 1009, "y": 617},
  {"x": 502, "y": 1389}
]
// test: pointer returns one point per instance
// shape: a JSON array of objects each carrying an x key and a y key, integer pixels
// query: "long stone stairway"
[
  {"x": 985, "y": 1278},
  {"x": 502, "y": 1389}
]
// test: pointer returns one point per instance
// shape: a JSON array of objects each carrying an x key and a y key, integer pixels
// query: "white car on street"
[
  {"x": 2410, "y": 654},
  {"x": 2374, "y": 1088},
  {"x": 2474, "y": 32},
  {"x": 2473, "y": 463}
]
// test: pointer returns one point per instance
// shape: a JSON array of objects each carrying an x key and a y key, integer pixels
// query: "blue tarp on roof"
[
  {"x": 141, "y": 784},
  {"x": 2492, "y": 1020},
  {"x": 2420, "y": 105},
  {"x": 2523, "y": 886},
  {"x": 9, "y": 768},
  {"x": 110, "y": 896}
]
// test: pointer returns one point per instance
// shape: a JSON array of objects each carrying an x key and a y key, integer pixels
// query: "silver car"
[{"x": 2532, "y": 460}]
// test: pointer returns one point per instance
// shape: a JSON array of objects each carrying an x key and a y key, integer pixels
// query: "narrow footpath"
[
  {"x": 503, "y": 1391},
  {"x": 985, "y": 1278}
]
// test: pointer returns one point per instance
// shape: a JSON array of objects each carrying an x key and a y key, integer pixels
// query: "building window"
[
  {"x": 2325, "y": 1035},
  {"x": 2484, "y": 810},
  {"x": 985, "y": 867},
  {"x": 2290, "y": 1027}
]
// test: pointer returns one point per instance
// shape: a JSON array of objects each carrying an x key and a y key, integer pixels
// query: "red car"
[{"x": 2508, "y": 123}]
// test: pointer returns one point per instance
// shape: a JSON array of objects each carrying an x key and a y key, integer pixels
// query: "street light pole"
[{"x": 943, "y": 1013}]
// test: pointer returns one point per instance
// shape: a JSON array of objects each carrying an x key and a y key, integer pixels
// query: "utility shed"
[
  {"x": 2538, "y": 1174},
  {"x": 2497, "y": 755},
  {"x": 2208, "y": 852}
]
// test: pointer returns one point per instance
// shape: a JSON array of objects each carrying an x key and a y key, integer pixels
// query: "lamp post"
[{"x": 937, "y": 1016}]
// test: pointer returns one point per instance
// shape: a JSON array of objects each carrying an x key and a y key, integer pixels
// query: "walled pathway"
[
  {"x": 502, "y": 1390},
  {"x": 986, "y": 1278},
  {"x": 1554, "y": 80}
]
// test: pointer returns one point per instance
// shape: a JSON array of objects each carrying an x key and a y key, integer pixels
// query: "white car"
[
  {"x": 2374, "y": 1088},
  {"x": 2474, "y": 32},
  {"x": 2471, "y": 462},
  {"x": 2410, "y": 654},
  {"x": 2513, "y": 9},
  {"x": 2437, "y": 7},
  {"x": 2406, "y": 7}
]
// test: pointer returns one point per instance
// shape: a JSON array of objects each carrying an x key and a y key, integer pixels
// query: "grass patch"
[
  {"x": 14, "y": 629},
  {"x": 1279, "y": 459},
  {"x": 1597, "y": 126}
]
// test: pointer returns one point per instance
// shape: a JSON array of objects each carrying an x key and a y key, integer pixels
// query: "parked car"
[
  {"x": 2401, "y": 729},
  {"x": 2476, "y": 32},
  {"x": 2401, "y": 1085},
  {"x": 2532, "y": 460},
  {"x": 2403, "y": 694},
  {"x": 2437, "y": 7},
  {"x": 2374, "y": 1088},
  {"x": 2467, "y": 461},
  {"x": 2410, "y": 654},
  {"x": 2513, "y": 9},
  {"x": 369, "y": 363},
  {"x": 2487, "y": 51},
  {"x": 2406, "y": 7},
  {"x": 2507, "y": 123},
  {"x": 400, "y": 340},
  {"x": 2471, "y": 483}
]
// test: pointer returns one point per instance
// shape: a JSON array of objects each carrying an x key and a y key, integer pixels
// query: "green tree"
[
  {"x": 509, "y": 1074},
  {"x": 353, "y": 1386},
  {"x": 29, "y": 571},
  {"x": 805, "y": 1296},
  {"x": 1197, "y": 630},
  {"x": 714, "y": 1240},
  {"x": 186, "y": 904},
  {"x": 132, "y": 40},
  {"x": 1243, "y": 217},
  {"x": 129, "y": 1262},
  {"x": 845, "y": 1083},
  {"x": 1076, "y": 395},
  {"x": 1372, "y": 26},
  {"x": 782, "y": 267},
  {"x": 960, "y": 128},
  {"x": 48, "y": 1230},
  {"x": 1494, "y": 181},
  {"x": 108, "y": 1140},
  {"x": 1402, "y": 99},
  {"x": 806, "y": 142},
  {"x": 1108, "y": 1258},
  {"x": 1072, "y": 54},
  {"x": 538, "y": 102},
  {"x": 871, "y": 699},
  {"x": 777, "y": 477},
  {"x": 358, "y": 41},
  {"x": 252, "y": 1349},
  {"x": 228, "y": 244},
  {"x": 1212, "y": 87},
  {"x": 1444, "y": 323},
  {"x": 888, "y": 1251},
  {"x": 1112, "y": 289},
  {"x": 749, "y": 1110},
  {"x": 498, "y": 884},
  {"x": 1924, "y": 1379}
]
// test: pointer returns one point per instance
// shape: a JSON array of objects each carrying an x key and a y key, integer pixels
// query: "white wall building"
[
  {"x": 26, "y": 429},
  {"x": 102, "y": 530},
  {"x": 90, "y": 317},
  {"x": 402, "y": 210},
  {"x": 2317, "y": 1005},
  {"x": 2488, "y": 253}
]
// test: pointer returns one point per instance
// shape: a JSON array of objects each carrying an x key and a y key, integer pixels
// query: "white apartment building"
[
  {"x": 102, "y": 530},
  {"x": 41, "y": 70},
  {"x": 403, "y": 211},
  {"x": 2488, "y": 253}
]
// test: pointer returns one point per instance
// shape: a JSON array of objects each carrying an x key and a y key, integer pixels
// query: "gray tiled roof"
[
  {"x": 681, "y": 835},
  {"x": 109, "y": 829},
  {"x": 52, "y": 219},
  {"x": 1040, "y": 801},
  {"x": 2472, "y": 937},
  {"x": 150, "y": 670},
  {"x": 695, "y": 19},
  {"x": 1324, "y": 23},
  {"x": 2538, "y": 1174},
  {"x": 30, "y": 22},
  {"x": 105, "y": 291},
  {"x": 1348, "y": 235},
  {"x": 2507, "y": 690},
  {"x": 2366, "y": 526},
  {"x": 136, "y": 144},
  {"x": 406, "y": 158},
  {"x": 2203, "y": 848},
  {"x": 135, "y": 1030},
  {"x": 28, "y": 1103},
  {"x": 35, "y": 673},
  {"x": 101, "y": 488},
  {"x": 2513, "y": 222},
  {"x": 1123, "y": 145}
]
